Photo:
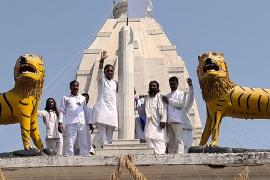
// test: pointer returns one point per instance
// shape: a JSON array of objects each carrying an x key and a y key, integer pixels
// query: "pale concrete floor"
[{"x": 156, "y": 172}]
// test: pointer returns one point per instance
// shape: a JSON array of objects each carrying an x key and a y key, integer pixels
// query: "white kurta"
[
  {"x": 155, "y": 111},
  {"x": 176, "y": 102},
  {"x": 54, "y": 139},
  {"x": 105, "y": 109},
  {"x": 189, "y": 99},
  {"x": 187, "y": 130},
  {"x": 51, "y": 122}
]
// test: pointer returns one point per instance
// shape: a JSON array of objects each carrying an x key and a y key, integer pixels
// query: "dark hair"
[
  {"x": 54, "y": 108},
  {"x": 154, "y": 82},
  {"x": 73, "y": 82},
  {"x": 85, "y": 94},
  {"x": 174, "y": 78},
  {"x": 107, "y": 66}
]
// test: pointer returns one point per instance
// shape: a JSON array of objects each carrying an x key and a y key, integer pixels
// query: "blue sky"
[{"x": 60, "y": 30}]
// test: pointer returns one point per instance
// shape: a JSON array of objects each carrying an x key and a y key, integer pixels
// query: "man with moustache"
[
  {"x": 178, "y": 119},
  {"x": 104, "y": 113},
  {"x": 156, "y": 117},
  {"x": 72, "y": 112}
]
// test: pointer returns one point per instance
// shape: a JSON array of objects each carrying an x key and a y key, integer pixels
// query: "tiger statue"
[
  {"x": 224, "y": 98},
  {"x": 20, "y": 104}
]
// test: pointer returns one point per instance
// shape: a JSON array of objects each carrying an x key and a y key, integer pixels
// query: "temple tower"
[{"x": 154, "y": 56}]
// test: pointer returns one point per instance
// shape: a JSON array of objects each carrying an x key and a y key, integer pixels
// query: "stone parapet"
[{"x": 228, "y": 159}]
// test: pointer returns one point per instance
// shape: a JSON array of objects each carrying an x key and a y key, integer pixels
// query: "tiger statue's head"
[
  {"x": 213, "y": 75},
  {"x": 29, "y": 74}
]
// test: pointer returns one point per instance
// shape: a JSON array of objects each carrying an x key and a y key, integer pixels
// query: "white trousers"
[
  {"x": 187, "y": 138},
  {"x": 56, "y": 144},
  {"x": 72, "y": 131},
  {"x": 106, "y": 133},
  {"x": 176, "y": 143},
  {"x": 76, "y": 144},
  {"x": 157, "y": 145}
]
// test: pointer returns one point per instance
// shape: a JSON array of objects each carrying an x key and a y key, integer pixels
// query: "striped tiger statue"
[
  {"x": 20, "y": 104},
  {"x": 225, "y": 98}
]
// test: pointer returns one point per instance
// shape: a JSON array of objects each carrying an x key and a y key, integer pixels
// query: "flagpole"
[{"x": 127, "y": 12}]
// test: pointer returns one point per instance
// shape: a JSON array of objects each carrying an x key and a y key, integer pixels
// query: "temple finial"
[
  {"x": 132, "y": 8},
  {"x": 120, "y": 8}
]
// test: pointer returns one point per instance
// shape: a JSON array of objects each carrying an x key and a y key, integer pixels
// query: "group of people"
[
  {"x": 162, "y": 120},
  {"x": 165, "y": 119}
]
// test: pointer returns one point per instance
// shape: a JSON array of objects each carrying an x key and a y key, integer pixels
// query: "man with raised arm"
[{"x": 104, "y": 113}]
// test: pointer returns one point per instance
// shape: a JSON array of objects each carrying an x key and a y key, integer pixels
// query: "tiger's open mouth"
[
  {"x": 210, "y": 66},
  {"x": 27, "y": 68}
]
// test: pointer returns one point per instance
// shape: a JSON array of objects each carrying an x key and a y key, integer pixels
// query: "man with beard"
[
  {"x": 178, "y": 119},
  {"x": 156, "y": 117},
  {"x": 72, "y": 110},
  {"x": 54, "y": 139},
  {"x": 104, "y": 113}
]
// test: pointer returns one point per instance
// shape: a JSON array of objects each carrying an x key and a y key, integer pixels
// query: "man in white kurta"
[
  {"x": 187, "y": 125},
  {"x": 156, "y": 117},
  {"x": 177, "y": 119},
  {"x": 54, "y": 139},
  {"x": 72, "y": 112},
  {"x": 104, "y": 113}
]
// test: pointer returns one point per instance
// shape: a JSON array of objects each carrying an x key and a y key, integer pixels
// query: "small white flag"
[{"x": 139, "y": 8}]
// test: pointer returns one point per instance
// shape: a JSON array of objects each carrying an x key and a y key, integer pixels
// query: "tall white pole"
[{"x": 126, "y": 84}]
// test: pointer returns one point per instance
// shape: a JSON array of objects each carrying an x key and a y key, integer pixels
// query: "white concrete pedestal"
[{"x": 122, "y": 147}]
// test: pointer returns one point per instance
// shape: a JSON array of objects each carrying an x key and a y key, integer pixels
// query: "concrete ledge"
[
  {"x": 103, "y": 34},
  {"x": 129, "y": 20},
  {"x": 155, "y": 32},
  {"x": 83, "y": 72},
  {"x": 123, "y": 146},
  {"x": 167, "y": 48},
  {"x": 230, "y": 159},
  {"x": 92, "y": 51},
  {"x": 125, "y": 141},
  {"x": 175, "y": 70},
  {"x": 126, "y": 150}
]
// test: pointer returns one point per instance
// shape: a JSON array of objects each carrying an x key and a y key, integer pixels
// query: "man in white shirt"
[
  {"x": 156, "y": 117},
  {"x": 176, "y": 101},
  {"x": 87, "y": 121},
  {"x": 89, "y": 114},
  {"x": 72, "y": 112},
  {"x": 104, "y": 113}
]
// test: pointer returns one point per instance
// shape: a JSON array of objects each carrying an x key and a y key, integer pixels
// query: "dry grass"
[
  {"x": 243, "y": 175},
  {"x": 2, "y": 175}
]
